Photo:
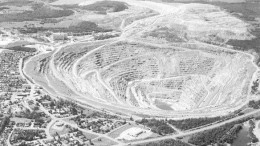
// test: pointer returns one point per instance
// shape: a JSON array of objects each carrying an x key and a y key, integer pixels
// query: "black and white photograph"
[{"x": 129, "y": 72}]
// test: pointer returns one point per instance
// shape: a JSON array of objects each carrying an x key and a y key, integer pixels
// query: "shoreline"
[{"x": 256, "y": 131}]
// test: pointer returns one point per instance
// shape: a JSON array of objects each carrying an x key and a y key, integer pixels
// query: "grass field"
[
  {"x": 20, "y": 120},
  {"x": 70, "y": 121},
  {"x": 53, "y": 132},
  {"x": 21, "y": 48},
  {"x": 103, "y": 142},
  {"x": 104, "y": 6},
  {"x": 89, "y": 136},
  {"x": 17, "y": 3}
]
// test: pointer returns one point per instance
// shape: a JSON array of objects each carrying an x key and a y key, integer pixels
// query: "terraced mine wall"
[{"x": 179, "y": 70}]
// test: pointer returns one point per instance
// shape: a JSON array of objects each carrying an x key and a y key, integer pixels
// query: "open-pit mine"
[{"x": 174, "y": 63}]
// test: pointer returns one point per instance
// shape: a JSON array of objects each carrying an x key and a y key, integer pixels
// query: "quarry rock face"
[
  {"x": 167, "y": 64},
  {"x": 200, "y": 22}
]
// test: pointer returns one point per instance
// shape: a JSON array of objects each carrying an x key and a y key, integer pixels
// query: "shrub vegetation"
[
  {"x": 157, "y": 126},
  {"x": 103, "y": 6},
  {"x": 4, "y": 123},
  {"x": 223, "y": 134},
  {"x": 21, "y": 48},
  {"x": 192, "y": 123},
  {"x": 40, "y": 11},
  {"x": 168, "y": 142}
]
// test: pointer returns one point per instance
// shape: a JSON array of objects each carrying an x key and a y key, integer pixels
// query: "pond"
[
  {"x": 162, "y": 105},
  {"x": 243, "y": 136}
]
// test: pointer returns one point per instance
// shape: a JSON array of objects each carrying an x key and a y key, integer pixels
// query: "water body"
[
  {"x": 243, "y": 136},
  {"x": 162, "y": 105}
]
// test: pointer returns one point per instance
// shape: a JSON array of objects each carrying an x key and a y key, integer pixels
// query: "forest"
[
  {"x": 223, "y": 134},
  {"x": 81, "y": 27},
  {"x": 254, "y": 104},
  {"x": 157, "y": 126},
  {"x": 187, "y": 124},
  {"x": 168, "y": 142},
  {"x": 39, "y": 11}
]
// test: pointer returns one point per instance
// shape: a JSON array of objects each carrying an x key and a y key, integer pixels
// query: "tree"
[
  {"x": 90, "y": 142},
  {"x": 36, "y": 108},
  {"x": 38, "y": 92},
  {"x": 4, "y": 123},
  {"x": 74, "y": 111},
  {"x": 52, "y": 104}
]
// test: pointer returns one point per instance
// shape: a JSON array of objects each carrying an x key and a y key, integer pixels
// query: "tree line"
[
  {"x": 223, "y": 134},
  {"x": 167, "y": 142},
  {"x": 157, "y": 126},
  {"x": 187, "y": 124},
  {"x": 4, "y": 123}
]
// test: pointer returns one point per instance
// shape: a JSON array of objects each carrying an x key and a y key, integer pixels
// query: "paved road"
[
  {"x": 8, "y": 139},
  {"x": 91, "y": 132},
  {"x": 54, "y": 119}
]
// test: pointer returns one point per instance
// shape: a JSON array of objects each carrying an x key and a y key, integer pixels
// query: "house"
[{"x": 27, "y": 124}]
